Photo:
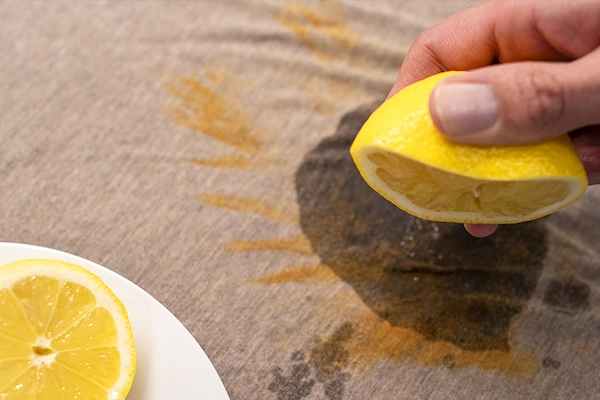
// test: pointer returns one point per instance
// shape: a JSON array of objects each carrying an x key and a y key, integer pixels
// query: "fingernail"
[{"x": 462, "y": 108}]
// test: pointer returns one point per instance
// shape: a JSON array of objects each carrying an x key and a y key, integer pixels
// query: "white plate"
[{"x": 170, "y": 363}]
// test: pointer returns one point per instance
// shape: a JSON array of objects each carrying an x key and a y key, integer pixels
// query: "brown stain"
[
  {"x": 323, "y": 30},
  {"x": 425, "y": 292},
  {"x": 379, "y": 340},
  {"x": 319, "y": 273},
  {"x": 244, "y": 163},
  {"x": 374, "y": 339},
  {"x": 581, "y": 347},
  {"x": 568, "y": 295},
  {"x": 299, "y": 245},
  {"x": 219, "y": 116},
  {"x": 247, "y": 205}
]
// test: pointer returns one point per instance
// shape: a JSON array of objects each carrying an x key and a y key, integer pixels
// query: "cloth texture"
[{"x": 200, "y": 149}]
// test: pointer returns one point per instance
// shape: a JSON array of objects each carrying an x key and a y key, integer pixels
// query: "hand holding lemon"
[{"x": 532, "y": 77}]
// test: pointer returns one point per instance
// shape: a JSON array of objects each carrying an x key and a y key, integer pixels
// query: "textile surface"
[{"x": 200, "y": 149}]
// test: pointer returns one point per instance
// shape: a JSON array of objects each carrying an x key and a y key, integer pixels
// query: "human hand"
[{"x": 534, "y": 74}]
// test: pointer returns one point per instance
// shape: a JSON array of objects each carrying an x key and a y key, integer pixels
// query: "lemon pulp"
[
  {"x": 63, "y": 334},
  {"x": 401, "y": 155}
]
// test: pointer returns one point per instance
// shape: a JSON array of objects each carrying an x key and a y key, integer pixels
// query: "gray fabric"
[{"x": 200, "y": 149}]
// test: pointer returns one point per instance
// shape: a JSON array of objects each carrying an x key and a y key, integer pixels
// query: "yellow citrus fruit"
[
  {"x": 401, "y": 155},
  {"x": 64, "y": 335}
]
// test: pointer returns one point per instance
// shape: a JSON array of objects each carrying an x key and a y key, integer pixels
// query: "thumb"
[{"x": 518, "y": 103}]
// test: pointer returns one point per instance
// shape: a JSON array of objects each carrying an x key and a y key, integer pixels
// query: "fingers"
[
  {"x": 587, "y": 143},
  {"x": 502, "y": 32},
  {"x": 480, "y": 231},
  {"x": 518, "y": 103}
]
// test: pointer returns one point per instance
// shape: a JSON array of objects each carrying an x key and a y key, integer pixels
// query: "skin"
[{"x": 541, "y": 60}]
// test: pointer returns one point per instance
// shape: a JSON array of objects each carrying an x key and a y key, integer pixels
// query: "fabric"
[{"x": 200, "y": 149}]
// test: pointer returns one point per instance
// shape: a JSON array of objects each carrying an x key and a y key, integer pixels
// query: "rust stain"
[
  {"x": 377, "y": 340},
  {"x": 318, "y": 272},
  {"x": 324, "y": 30},
  {"x": 315, "y": 273},
  {"x": 223, "y": 162},
  {"x": 418, "y": 291},
  {"x": 248, "y": 205},
  {"x": 299, "y": 244},
  {"x": 204, "y": 110}
]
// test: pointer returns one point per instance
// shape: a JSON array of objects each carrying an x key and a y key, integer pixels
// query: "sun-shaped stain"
[
  {"x": 434, "y": 294},
  {"x": 323, "y": 29},
  {"x": 425, "y": 292}
]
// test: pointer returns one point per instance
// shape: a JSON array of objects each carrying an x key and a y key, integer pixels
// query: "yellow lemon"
[
  {"x": 401, "y": 155},
  {"x": 63, "y": 334}
]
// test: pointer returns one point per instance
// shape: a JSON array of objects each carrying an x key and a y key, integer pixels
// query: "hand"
[{"x": 534, "y": 74}]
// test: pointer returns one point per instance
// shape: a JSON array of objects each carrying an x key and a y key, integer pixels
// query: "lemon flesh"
[
  {"x": 400, "y": 153},
  {"x": 63, "y": 334}
]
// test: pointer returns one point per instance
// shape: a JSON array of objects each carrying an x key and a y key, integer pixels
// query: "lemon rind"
[{"x": 577, "y": 186}]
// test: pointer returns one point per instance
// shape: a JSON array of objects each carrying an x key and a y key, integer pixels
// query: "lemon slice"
[
  {"x": 64, "y": 335},
  {"x": 401, "y": 155}
]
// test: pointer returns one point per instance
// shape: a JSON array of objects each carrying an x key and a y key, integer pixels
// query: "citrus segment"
[
  {"x": 63, "y": 334},
  {"x": 401, "y": 155}
]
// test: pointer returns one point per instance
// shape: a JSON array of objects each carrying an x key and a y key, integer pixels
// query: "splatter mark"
[
  {"x": 436, "y": 295},
  {"x": 435, "y": 278},
  {"x": 299, "y": 245},
  {"x": 330, "y": 358},
  {"x": 327, "y": 362},
  {"x": 324, "y": 30},
  {"x": 379, "y": 340},
  {"x": 248, "y": 205},
  {"x": 222, "y": 162},
  {"x": 202, "y": 109},
  {"x": 550, "y": 363},
  {"x": 320, "y": 273},
  {"x": 295, "y": 386},
  {"x": 568, "y": 296}
]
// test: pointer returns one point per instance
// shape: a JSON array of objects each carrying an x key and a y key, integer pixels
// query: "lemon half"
[
  {"x": 400, "y": 153},
  {"x": 64, "y": 335}
]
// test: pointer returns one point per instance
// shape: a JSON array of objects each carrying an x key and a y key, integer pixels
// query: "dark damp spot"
[
  {"x": 433, "y": 278},
  {"x": 569, "y": 295},
  {"x": 550, "y": 363},
  {"x": 295, "y": 386}
]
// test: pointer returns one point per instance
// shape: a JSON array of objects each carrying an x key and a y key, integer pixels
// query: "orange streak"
[
  {"x": 203, "y": 110},
  {"x": 323, "y": 31},
  {"x": 248, "y": 205},
  {"x": 320, "y": 273},
  {"x": 298, "y": 245}
]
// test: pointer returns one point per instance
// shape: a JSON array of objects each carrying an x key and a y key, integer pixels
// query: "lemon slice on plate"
[
  {"x": 400, "y": 153},
  {"x": 63, "y": 334}
]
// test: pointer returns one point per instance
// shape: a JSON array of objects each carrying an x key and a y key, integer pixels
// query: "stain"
[
  {"x": 247, "y": 205},
  {"x": 322, "y": 29},
  {"x": 320, "y": 273},
  {"x": 297, "y": 385},
  {"x": 330, "y": 358},
  {"x": 299, "y": 245},
  {"x": 580, "y": 347},
  {"x": 326, "y": 365},
  {"x": 379, "y": 340},
  {"x": 569, "y": 295},
  {"x": 550, "y": 363},
  {"x": 440, "y": 296},
  {"x": 222, "y": 162},
  {"x": 219, "y": 116}
]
